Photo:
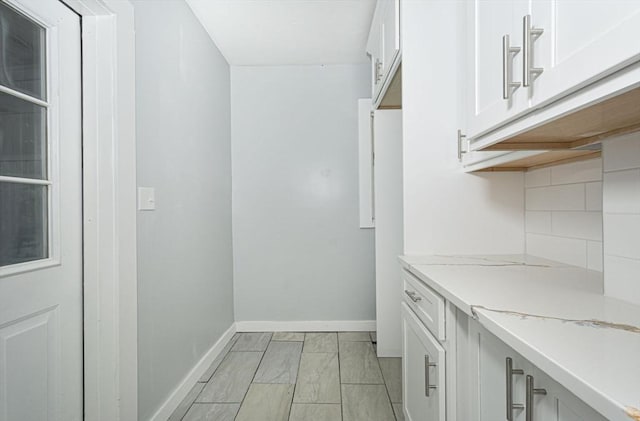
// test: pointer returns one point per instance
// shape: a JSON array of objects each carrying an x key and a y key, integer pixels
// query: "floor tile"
[
  {"x": 214, "y": 365},
  {"x": 267, "y": 402},
  {"x": 354, "y": 337},
  {"x": 320, "y": 342},
  {"x": 288, "y": 336},
  {"x": 366, "y": 402},
  {"x": 212, "y": 412},
  {"x": 392, "y": 374},
  {"x": 397, "y": 410},
  {"x": 186, "y": 402},
  {"x": 359, "y": 364},
  {"x": 231, "y": 380},
  {"x": 280, "y": 363},
  {"x": 315, "y": 412},
  {"x": 318, "y": 379},
  {"x": 254, "y": 341}
]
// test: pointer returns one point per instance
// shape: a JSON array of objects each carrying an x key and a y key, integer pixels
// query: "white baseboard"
[
  {"x": 180, "y": 392},
  {"x": 306, "y": 326}
]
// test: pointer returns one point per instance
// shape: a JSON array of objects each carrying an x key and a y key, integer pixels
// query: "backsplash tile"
[
  {"x": 564, "y": 213},
  {"x": 621, "y": 211}
]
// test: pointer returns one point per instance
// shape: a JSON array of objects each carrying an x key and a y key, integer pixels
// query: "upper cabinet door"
[
  {"x": 494, "y": 59},
  {"x": 375, "y": 50},
  {"x": 582, "y": 42},
  {"x": 391, "y": 33}
]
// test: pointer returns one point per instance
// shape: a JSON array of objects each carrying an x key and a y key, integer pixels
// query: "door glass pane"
[
  {"x": 23, "y": 146},
  {"x": 22, "y": 53},
  {"x": 23, "y": 223}
]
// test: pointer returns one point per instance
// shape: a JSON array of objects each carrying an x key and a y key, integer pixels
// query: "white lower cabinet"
[
  {"x": 505, "y": 386},
  {"x": 423, "y": 371}
]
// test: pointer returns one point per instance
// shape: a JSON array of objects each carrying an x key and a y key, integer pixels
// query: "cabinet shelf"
[{"x": 534, "y": 160}]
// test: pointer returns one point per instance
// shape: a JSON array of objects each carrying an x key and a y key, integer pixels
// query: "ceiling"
[{"x": 287, "y": 32}]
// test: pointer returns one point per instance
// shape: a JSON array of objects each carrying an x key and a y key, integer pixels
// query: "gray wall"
[
  {"x": 298, "y": 251},
  {"x": 184, "y": 151}
]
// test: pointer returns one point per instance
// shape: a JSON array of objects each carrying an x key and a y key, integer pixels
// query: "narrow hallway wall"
[{"x": 185, "y": 272}]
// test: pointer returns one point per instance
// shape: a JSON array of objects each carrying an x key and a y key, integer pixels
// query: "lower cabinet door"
[{"x": 423, "y": 369}]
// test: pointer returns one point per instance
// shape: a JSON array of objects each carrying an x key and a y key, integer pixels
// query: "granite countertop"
[{"x": 555, "y": 315}]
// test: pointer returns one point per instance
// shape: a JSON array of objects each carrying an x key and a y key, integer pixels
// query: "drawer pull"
[
  {"x": 531, "y": 390},
  {"x": 427, "y": 381},
  {"x": 529, "y": 36},
  {"x": 510, "y": 372},
  {"x": 414, "y": 297}
]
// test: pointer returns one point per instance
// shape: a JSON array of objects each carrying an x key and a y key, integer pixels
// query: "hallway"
[{"x": 324, "y": 376}]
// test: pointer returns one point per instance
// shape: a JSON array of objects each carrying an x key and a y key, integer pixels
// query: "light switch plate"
[{"x": 146, "y": 198}]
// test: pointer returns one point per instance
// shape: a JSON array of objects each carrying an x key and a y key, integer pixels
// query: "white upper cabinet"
[
  {"x": 391, "y": 33},
  {"x": 383, "y": 46},
  {"x": 582, "y": 41},
  {"x": 525, "y": 54},
  {"x": 494, "y": 49}
]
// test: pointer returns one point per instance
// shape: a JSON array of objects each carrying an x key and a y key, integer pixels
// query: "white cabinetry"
[
  {"x": 423, "y": 371},
  {"x": 383, "y": 46},
  {"x": 582, "y": 41},
  {"x": 557, "y": 47},
  {"x": 529, "y": 395}
]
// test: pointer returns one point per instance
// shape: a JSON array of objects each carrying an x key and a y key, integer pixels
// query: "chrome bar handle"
[
  {"x": 460, "y": 138},
  {"x": 378, "y": 70},
  {"x": 508, "y": 52},
  {"x": 427, "y": 381},
  {"x": 529, "y": 35},
  {"x": 510, "y": 372},
  {"x": 412, "y": 295},
  {"x": 531, "y": 390}
]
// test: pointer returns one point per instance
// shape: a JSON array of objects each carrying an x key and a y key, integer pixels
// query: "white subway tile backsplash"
[
  {"x": 584, "y": 225},
  {"x": 622, "y": 152},
  {"x": 537, "y": 178},
  {"x": 594, "y": 255},
  {"x": 566, "y": 197},
  {"x": 621, "y": 192},
  {"x": 577, "y": 172},
  {"x": 623, "y": 236},
  {"x": 621, "y": 278},
  {"x": 565, "y": 250},
  {"x": 538, "y": 222},
  {"x": 594, "y": 196}
]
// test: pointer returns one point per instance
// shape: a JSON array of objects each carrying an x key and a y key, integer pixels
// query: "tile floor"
[{"x": 290, "y": 376}]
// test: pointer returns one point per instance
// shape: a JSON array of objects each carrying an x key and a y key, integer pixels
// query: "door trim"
[{"x": 109, "y": 209}]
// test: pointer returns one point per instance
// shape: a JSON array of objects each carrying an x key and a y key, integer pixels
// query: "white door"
[
  {"x": 423, "y": 372},
  {"x": 488, "y": 22},
  {"x": 40, "y": 212},
  {"x": 582, "y": 42}
]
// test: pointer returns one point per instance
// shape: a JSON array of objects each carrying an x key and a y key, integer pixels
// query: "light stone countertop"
[{"x": 555, "y": 315}]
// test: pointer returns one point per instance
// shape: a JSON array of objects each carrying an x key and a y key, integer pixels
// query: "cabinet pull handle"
[
  {"x": 427, "y": 381},
  {"x": 531, "y": 390},
  {"x": 529, "y": 35},
  {"x": 378, "y": 70},
  {"x": 460, "y": 138},
  {"x": 510, "y": 372},
  {"x": 414, "y": 297},
  {"x": 508, "y": 52}
]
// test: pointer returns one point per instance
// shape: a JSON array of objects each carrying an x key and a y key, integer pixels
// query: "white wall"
[
  {"x": 621, "y": 207},
  {"x": 445, "y": 210},
  {"x": 564, "y": 213},
  {"x": 183, "y": 147},
  {"x": 299, "y": 254}
]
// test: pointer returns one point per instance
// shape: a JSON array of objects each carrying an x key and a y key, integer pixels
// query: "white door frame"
[{"x": 109, "y": 209}]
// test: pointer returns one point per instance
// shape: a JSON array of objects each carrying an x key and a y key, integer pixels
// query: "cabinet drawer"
[{"x": 426, "y": 303}]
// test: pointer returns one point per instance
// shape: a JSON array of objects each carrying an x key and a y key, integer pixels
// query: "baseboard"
[
  {"x": 306, "y": 326},
  {"x": 180, "y": 392}
]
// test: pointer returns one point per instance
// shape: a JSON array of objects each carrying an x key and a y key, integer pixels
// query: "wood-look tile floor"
[{"x": 292, "y": 376}]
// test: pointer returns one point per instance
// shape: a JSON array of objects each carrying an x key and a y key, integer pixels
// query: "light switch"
[{"x": 146, "y": 198}]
